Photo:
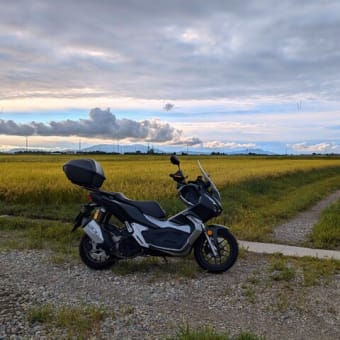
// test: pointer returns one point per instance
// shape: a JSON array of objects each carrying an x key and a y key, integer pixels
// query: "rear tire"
[
  {"x": 227, "y": 248},
  {"x": 93, "y": 256}
]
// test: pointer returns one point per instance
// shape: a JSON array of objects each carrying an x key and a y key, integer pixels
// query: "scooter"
[{"x": 116, "y": 227}]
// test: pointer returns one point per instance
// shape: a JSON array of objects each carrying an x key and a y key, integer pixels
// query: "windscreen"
[{"x": 214, "y": 190}]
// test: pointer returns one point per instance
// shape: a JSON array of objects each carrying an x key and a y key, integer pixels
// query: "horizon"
[{"x": 147, "y": 148}]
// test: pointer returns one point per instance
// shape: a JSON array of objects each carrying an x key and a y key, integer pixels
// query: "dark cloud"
[
  {"x": 176, "y": 49},
  {"x": 100, "y": 124},
  {"x": 9, "y": 127},
  {"x": 168, "y": 107}
]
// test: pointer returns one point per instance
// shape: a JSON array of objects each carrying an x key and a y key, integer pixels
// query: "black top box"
[{"x": 85, "y": 172}]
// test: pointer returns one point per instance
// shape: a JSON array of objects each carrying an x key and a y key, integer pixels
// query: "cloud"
[
  {"x": 9, "y": 127},
  {"x": 315, "y": 148},
  {"x": 154, "y": 50},
  {"x": 100, "y": 124},
  {"x": 168, "y": 107},
  {"x": 190, "y": 141},
  {"x": 229, "y": 145}
]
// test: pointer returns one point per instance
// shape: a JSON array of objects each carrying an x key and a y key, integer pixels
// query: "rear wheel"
[
  {"x": 93, "y": 256},
  {"x": 226, "y": 246}
]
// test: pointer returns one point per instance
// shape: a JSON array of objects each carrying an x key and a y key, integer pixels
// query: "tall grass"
[
  {"x": 257, "y": 192},
  {"x": 253, "y": 207},
  {"x": 326, "y": 233}
]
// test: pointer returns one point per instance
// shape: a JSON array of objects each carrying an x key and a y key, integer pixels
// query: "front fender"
[{"x": 215, "y": 228}]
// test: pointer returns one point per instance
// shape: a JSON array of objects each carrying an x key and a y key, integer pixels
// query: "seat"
[{"x": 151, "y": 208}]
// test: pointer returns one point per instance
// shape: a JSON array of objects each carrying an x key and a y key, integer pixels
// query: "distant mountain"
[
  {"x": 251, "y": 151},
  {"x": 141, "y": 148},
  {"x": 19, "y": 150},
  {"x": 40, "y": 150},
  {"x": 122, "y": 148}
]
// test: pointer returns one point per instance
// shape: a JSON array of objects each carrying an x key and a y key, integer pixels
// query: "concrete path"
[{"x": 271, "y": 248}]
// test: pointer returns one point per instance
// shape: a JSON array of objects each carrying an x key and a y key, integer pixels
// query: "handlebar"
[
  {"x": 178, "y": 176},
  {"x": 180, "y": 179}
]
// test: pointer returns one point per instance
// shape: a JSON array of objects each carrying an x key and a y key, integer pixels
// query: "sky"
[{"x": 217, "y": 74}]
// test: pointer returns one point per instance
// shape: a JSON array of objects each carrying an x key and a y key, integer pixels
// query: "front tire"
[
  {"x": 93, "y": 256},
  {"x": 227, "y": 249}
]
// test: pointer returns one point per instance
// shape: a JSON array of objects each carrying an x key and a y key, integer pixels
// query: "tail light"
[{"x": 88, "y": 197}]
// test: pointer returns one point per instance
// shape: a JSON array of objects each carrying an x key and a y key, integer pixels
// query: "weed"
[
  {"x": 183, "y": 267},
  {"x": 205, "y": 333},
  {"x": 40, "y": 313},
  {"x": 283, "y": 301},
  {"x": 254, "y": 278},
  {"x": 281, "y": 269},
  {"x": 79, "y": 321},
  {"x": 316, "y": 270},
  {"x": 126, "y": 310},
  {"x": 250, "y": 294}
]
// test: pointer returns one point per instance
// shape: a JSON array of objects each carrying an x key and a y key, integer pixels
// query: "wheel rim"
[
  {"x": 96, "y": 254},
  {"x": 223, "y": 249}
]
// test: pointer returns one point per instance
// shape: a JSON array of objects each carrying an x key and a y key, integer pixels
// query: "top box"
[{"x": 85, "y": 172}]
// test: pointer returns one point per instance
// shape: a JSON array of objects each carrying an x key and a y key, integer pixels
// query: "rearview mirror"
[{"x": 174, "y": 160}]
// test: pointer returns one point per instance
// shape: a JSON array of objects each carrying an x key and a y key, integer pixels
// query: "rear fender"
[{"x": 84, "y": 214}]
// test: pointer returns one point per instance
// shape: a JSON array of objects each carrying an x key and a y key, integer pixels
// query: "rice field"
[
  {"x": 40, "y": 179},
  {"x": 256, "y": 191}
]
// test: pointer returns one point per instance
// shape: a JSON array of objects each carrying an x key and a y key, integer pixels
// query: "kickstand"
[{"x": 165, "y": 260}]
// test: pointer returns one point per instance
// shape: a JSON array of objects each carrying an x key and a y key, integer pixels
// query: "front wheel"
[
  {"x": 226, "y": 246},
  {"x": 93, "y": 256}
]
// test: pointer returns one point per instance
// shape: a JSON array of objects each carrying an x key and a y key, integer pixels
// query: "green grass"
[
  {"x": 78, "y": 321},
  {"x": 40, "y": 314},
  {"x": 253, "y": 207},
  {"x": 305, "y": 271},
  {"x": 326, "y": 233},
  {"x": 22, "y": 233},
  {"x": 281, "y": 269},
  {"x": 208, "y": 333}
]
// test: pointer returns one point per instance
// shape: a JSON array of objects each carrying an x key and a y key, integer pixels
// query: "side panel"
[{"x": 166, "y": 238}]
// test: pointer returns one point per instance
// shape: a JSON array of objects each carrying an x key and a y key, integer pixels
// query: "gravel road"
[
  {"x": 152, "y": 304},
  {"x": 146, "y": 305}
]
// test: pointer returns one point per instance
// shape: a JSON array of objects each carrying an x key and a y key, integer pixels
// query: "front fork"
[{"x": 208, "y": 233}]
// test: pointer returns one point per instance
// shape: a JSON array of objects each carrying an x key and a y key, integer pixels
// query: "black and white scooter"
[{"x": 119, "y": 228}]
